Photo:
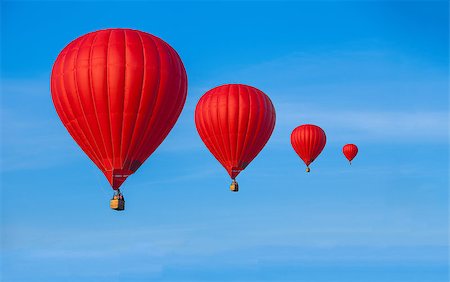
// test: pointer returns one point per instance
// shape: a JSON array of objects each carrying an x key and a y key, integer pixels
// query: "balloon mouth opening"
[
  {"x": 117, "y": 177},
  {"x": 234, "y": 172}
]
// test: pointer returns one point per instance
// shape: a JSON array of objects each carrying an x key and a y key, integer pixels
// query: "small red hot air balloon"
[
  {"x": 308, "y": 142},
  {"x": 350, "y": 151},
  {"x": 235, "y": 121},
  {"x": 118, "y": 92}
]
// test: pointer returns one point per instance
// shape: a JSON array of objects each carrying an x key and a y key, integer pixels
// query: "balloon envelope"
[
  {"x": 350, "y": 151},
  {"x": 118, "y": 92},
  {"x": 235, "y": 121},
  {"x": 308, "y": 142}
]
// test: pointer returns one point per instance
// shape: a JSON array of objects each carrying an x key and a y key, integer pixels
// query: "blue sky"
[{"x": 370, "y": 73}]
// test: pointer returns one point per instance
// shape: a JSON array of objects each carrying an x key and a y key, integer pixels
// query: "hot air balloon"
[
  {"x": 350, "y": 151},
  {"x": 118, "y": 92},
  {"x": 235, "y": 121},
  {"x": 308, "y": 142}
]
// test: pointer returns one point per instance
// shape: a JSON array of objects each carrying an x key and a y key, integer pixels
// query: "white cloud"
[
  {"x": 369, "y": 126},
  {"x": 368, "y": 95},
  {"x": 29, "y": 142},
  {"x": 320, "y": 88}
]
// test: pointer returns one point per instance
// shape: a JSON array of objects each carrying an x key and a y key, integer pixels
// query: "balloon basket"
[
  {"x": 234, "y": 187},
  {"x": 117, "y": 202}
]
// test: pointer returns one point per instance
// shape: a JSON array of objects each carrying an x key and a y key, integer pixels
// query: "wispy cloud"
[
  {"x": 382, "y": 102},
  {"x": 369, "y": 126},
  {"x": 32, "y": 137},
  {"x": 355, "y": 95},
  {"x": 29, "y": 143},
  {"x": 344, "y": 67},
  {"x": 152, "y": 251}
]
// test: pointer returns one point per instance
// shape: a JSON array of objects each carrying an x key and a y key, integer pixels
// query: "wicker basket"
[
  {"x": 117, "y": 204},
  {"x": 234, "y": 187}
]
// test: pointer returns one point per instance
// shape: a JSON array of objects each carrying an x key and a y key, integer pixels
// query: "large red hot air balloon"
[
  {"x": 235, "y": 121},
  {"x": 350, "y": 151},
  {"x": 118, "y": 92},
  {"x": 308, "y": 142}
]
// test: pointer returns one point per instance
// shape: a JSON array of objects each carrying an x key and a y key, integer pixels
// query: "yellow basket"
[
  {"x": 117, "y": 204},
  {"x": 234, "y": 187}
]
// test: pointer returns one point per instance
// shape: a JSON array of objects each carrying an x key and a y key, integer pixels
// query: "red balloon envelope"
[
  {"x": 235, "y": 121},
  {"x": 118, "y": 92},
  {"x": 308, "y": 142},
  {"x": 350, "y": 151}
]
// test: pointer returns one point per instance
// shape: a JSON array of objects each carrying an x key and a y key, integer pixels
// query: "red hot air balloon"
[
  {"x": 308, "y": 142},
  {"x": 235, "y": 121},
  {"x": 118, "y": 92},
  {"x": 350, "y": 151}
]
